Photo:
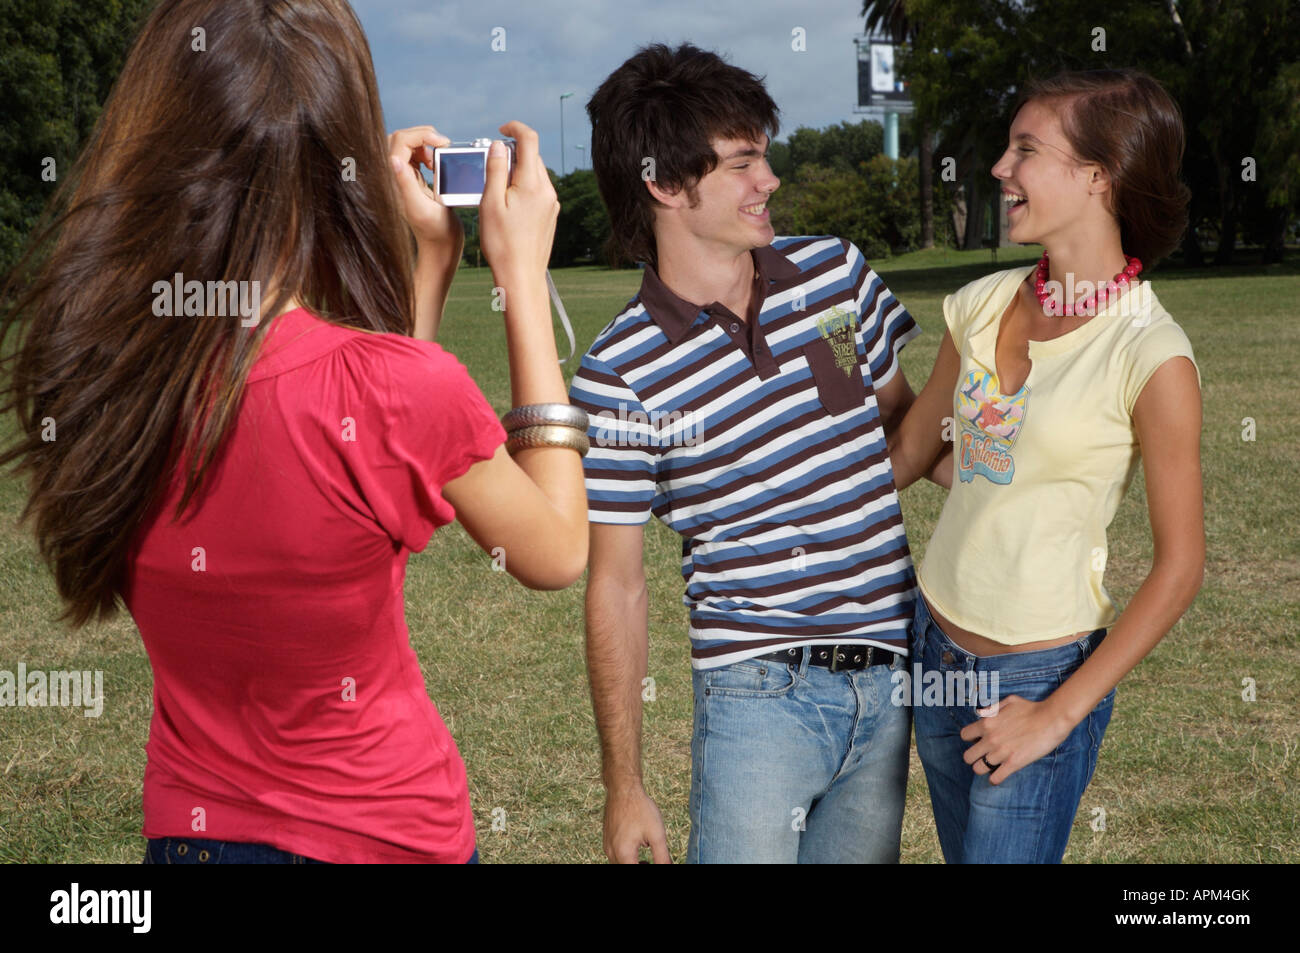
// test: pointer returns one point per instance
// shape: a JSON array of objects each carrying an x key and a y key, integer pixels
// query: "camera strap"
[{"x": 564, "y": 317}]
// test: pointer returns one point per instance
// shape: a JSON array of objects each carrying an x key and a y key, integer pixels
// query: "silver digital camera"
[{"x": 460, "y": 170}]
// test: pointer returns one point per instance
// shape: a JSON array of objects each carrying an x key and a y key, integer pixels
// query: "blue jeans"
[
  {"x": 795, "y": 763},
  {"x": 178, "y": 850},
  {"x": 1027, "y": 818}
]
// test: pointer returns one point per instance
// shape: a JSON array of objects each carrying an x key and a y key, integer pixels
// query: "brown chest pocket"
[{"x": 839, "y": 392}]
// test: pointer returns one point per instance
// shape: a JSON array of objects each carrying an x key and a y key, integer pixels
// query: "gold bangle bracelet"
[{"x": 548, "y": 436}]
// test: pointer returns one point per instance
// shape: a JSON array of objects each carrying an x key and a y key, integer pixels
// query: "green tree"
[
  {"x": 778, "y": 157},
  {"x": 1279, "y": 132},
  {"x": 842, "y": 146},
  {"x": 824, "y": 201},
  {"x": 1230, "y": 66},
  {"x": 58, "y": 61},
  {"x": 583, "y": 225},
  {"x": 891, "y": 19},
  {"x": 1239, "y": 74},
  {"x": 473, "y": 253},
  {"x": 962, "y": 67},
  {"x": 874, "y": 206}
]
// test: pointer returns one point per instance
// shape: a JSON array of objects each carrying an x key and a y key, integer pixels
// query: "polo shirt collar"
[{"x": 675, "y": 314}]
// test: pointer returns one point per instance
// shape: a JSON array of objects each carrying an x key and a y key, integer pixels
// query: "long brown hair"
[
  {"x": 243, "y": 141},
  {"x": 1126, "y": 122}
]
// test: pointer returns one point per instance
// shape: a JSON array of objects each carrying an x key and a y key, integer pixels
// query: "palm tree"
[{"x": 890, "y": 18}]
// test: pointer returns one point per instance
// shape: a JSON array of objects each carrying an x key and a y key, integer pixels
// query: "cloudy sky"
[{"x": 436, "y": 62}]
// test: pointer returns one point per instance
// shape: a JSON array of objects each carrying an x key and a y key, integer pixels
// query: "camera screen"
[{"x": 461, "y": 173}]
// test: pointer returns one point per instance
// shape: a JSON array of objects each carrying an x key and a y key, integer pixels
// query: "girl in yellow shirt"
[{"x": 1054, "y": 380}]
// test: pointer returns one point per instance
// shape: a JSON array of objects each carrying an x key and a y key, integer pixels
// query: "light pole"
[
  {"x": 563, "y": 97},
  {"x": 582, "y": 153}
]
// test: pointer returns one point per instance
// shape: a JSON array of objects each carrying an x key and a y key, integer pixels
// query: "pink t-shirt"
[{"x": 289, "y": 707}]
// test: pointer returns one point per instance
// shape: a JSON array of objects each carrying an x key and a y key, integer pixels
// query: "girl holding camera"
[{"x": 251, "y": 491}]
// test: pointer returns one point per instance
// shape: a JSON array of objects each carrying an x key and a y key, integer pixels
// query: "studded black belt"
[{"x": 837, "y": 658}]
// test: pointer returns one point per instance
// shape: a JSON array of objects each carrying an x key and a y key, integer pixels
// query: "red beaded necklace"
[{"x": 1111, "y": 289}]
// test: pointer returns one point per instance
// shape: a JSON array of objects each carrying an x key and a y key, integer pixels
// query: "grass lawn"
[{"x": 1189, "y": 771}]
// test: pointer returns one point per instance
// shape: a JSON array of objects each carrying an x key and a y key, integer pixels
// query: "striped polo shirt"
[{"x": 760, "y": 443}]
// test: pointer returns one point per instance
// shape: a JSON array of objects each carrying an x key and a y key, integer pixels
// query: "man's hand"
[
  {"x": 633, "y": 821},
  {"x": 618, "y": 646}
]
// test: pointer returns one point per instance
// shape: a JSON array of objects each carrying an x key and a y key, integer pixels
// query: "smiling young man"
[{"x": 743, "y": 398}]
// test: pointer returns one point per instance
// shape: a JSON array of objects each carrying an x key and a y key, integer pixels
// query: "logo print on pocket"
[{"x": 837, "y": 327}]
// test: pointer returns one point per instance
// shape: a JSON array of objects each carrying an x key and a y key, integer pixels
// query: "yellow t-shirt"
[{"x": 1020, "y": 548}]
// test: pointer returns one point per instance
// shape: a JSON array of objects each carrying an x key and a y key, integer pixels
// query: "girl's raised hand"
[
  {"x": 434, "y": 224},
  {"x": 517, "y": 221}
]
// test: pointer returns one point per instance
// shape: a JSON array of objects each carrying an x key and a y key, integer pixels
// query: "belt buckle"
[{"x": 835, "y": 657}]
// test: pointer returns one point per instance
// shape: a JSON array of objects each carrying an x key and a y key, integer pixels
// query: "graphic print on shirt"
[
  {"x": 838, "y": 328},
  {"x": 990, "y": 424}
]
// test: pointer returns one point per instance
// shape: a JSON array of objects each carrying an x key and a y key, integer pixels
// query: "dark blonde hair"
[
  {"x": 1125, "y": 121},
  {"x": 221, "y": 155}
]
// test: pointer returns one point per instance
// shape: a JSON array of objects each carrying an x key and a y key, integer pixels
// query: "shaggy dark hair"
[{"x": 655, "y": 116}]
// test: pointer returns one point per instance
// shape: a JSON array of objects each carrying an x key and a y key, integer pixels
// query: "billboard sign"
[{"x": 878, "y": 84}]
